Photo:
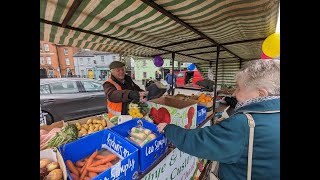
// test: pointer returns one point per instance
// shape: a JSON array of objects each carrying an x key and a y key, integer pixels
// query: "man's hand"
[
  {"x": 161, "y": 126},
  {"x": 134, "y": 95}
]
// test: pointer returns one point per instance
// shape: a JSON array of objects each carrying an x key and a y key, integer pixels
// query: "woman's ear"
[{"x": 263, "y": 92}]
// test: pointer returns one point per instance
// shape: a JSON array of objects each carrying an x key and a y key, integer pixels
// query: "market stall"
[{"x": 216, "y": 35}]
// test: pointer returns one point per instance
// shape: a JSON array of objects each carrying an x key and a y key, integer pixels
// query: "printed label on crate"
[
  {"x": 177, "y": 165},
  {"x": 156, "y": 146},
  {"x": 111, "y": 142},
  {"x": 122, "y": 167}
]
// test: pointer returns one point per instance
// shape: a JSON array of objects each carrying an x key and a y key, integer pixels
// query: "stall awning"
[{"x": 191, "y": 28}]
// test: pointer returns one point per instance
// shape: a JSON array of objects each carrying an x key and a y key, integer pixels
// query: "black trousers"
[{"x": 171, "y": 89}]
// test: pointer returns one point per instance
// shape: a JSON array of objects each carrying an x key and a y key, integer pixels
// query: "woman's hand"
[{"x": 161, "y": 126}]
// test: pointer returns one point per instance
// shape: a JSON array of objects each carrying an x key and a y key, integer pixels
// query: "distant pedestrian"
[{"x": 171, "y": 80}]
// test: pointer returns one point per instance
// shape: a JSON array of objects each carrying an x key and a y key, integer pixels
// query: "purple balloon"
[{"x": 158, "y": 61}]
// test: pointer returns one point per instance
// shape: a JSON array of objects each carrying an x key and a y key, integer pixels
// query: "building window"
[
  {"x": 49, "y": 60},
  {"x": 102, "y": 59},
  {"x": 114, "y": 57},
  {"x": 81, "y": 61},
  {"x": 144, "y": 74},
  {"x": 144, "y": 62},
  {"x": 41, "y": 60},
  {"x": 67, "y": 62},
  {"x": 65, "y": 51},
  {"x": 89, "y": 63},
  {"x": 40, "y": 47},
  {"x": 46, "y": 47}
]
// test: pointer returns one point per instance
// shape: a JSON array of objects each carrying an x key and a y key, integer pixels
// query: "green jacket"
[{"x": 227, "y": 142}]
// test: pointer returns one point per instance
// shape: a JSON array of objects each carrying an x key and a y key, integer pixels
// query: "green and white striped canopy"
[{"x": 191, "y": 28}]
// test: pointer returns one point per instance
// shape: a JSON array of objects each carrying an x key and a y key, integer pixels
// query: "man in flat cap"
[{"x": 120, "y": 90}]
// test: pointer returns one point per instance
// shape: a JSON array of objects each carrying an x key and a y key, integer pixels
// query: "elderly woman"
[{"x": 258, "y": 96}]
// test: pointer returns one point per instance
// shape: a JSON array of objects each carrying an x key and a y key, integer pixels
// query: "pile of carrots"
[{"x": 90, "y": 166}]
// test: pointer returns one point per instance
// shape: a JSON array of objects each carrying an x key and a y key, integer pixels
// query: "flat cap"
[{"x": 116, "y": 64}]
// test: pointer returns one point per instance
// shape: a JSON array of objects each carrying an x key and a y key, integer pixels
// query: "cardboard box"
[
  {"x": 177, "y": 110},
  {"x": 151, "y": 151},
  {"x": 54, "y": 155},
  {"x": 127, "y": 166},
  {"x": 201, "y": 114},
  {"x": 58, "y": 124}
]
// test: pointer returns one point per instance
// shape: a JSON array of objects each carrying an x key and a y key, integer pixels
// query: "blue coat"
[{"x": 227, "y": 142}]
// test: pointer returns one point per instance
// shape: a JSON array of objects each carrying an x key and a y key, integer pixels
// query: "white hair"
[{"x": 261, "y": 74}]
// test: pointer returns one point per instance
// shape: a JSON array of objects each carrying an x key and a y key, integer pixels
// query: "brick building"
[{"x": 56, "y": 60}]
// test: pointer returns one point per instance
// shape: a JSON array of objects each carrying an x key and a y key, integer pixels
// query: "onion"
[
  {"x": 52, "y": 166},
  {"x": 44, "y": 162}
]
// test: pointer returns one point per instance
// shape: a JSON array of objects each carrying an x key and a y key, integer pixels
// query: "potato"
[
  {"x": 103, "y": 123},
  {"x": 96, "y": 129},
  {"x": 98, "y": 121},
  {"x": 52, "y": 166},
  {"x": 79, "y": 134},
  {"x": 86, "y": 126},
  {"x": 44, "y": 162},
  {"x": 94, "y": 121},
  {"x": 78, "y": 125},
  {"x": 89, "y": 132},
  {"x": 91, "y": 128},
  {"x": 55, "y": 175},
  {"x": 83, "y": 130},
  {"x": 101, "y": 127},
  {"x": 83, "y": 134},
  {"x": 89, "y": 121}
]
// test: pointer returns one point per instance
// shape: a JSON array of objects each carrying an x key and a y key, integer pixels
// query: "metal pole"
[
  {"x": 215, "y": 81},
  {"x": 171, "y": 86}
]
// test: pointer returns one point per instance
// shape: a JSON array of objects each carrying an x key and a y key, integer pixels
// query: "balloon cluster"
[{"x": 271, "y": 46}]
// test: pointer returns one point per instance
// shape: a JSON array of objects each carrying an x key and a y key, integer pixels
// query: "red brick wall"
[
  {"x": 62, "y": 58},
  {"x": 54, "y": 58}
]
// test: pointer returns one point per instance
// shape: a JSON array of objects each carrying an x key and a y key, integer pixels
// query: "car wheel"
[{"x": 49, "y": 118}]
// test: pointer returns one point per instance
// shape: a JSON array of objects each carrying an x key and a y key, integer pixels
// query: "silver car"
[{"x": 71, "y": 98}]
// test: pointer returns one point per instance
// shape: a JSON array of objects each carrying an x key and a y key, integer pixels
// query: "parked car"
[
  {"x": 71, "y": 98},
  {"x": 188, "y": 79}
]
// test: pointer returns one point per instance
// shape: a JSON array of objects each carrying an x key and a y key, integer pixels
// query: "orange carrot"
[
  {"x": 79, "y": 169},
  {"x": 80, "y": 163},
  {"x": 100, "y": 156},
  {"x": 72, "y": 168},
  {"x": 88, "y": 163},
  {"x": 98, "y": 169},
  {"x": 74, "y": 177},
  {"x": 86, "y": 178},
  {"x": 108, "y": 158},
  {"x": 92, "y": 174}
]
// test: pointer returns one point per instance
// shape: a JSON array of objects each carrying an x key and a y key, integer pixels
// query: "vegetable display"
[
  {"x": 50, "y": 170},
  {"x": 141, "y": 136},
  {"x": 138, "y": 110},
  {"x": 91, "y": 126},
  {"x": 67, "y": 134},
  {"x": 45, "y": 136},
  {"x": 91, "y": 166}
]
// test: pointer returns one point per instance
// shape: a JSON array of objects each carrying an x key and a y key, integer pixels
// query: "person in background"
[
  {"x": 258, "y": 96},
  {"x": 120, "y": 90},
  {"x": 171, "y": 80}
]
